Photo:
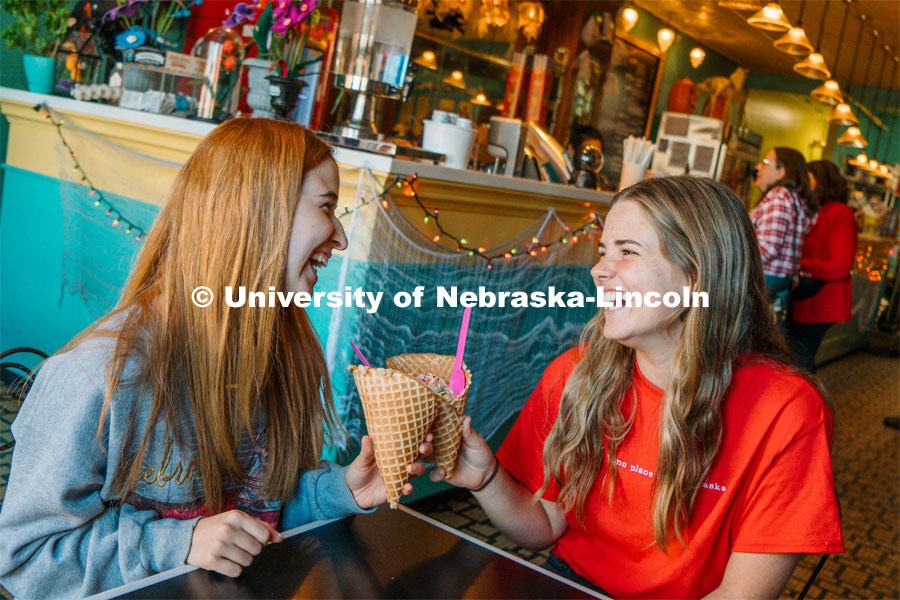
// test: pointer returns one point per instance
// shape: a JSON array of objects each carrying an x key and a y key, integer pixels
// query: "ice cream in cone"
[
  {"x": 434, "y": 371},
  {"x": 400, "y": 410}
]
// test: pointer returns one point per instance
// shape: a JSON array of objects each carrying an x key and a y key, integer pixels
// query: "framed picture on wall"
[{"x": 626, "y": 98}]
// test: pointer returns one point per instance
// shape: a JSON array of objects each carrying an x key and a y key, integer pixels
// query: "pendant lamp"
[
  {"x": 860, "y": 160},
  {"x": 427, "y": 60},
  {"x": 842, "y": 114},
  {"x": 795, "y": 42},
  {"x": 664, "y": 38},
  {"x": 828, "y": 93},
  {"x": 770, "y": 18},
  {"x": 697, "y": 55},
  {"x": 455, "y": 79},
  {"x": 813, "y": 66},
  {"x": 629, "y": 17},
  {"x": 853, "y": 137}
]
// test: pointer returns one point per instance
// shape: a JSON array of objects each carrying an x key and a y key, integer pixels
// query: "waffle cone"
[
  {"x": 399, "y": 412},
  {"x": 447, "y": 428}
]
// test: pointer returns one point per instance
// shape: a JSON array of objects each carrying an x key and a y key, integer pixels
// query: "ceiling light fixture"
[
  {"x": 697, "y": 56},
  {"x": 853, "y": 137},
  {"x": 795, "y": 42},
  {"x": 455, "y": 79},
  {"x": 664, "y": 38},
  {"x": 842, "y": 114},
  {"x": 813, "y": 66},
  {"x": 427, "y": 60},
  {"x": 629, "y": 18},
  {"x": 770, "y": 18}
]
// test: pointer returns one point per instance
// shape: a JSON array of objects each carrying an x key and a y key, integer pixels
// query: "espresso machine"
[
  {"x": 371, "y": 58},
  {"x": 525, "y": 149}
]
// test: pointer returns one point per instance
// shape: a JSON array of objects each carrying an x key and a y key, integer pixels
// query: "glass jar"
[{"x": 218, "y": 91}]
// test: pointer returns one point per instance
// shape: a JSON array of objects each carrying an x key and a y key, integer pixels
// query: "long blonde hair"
[
  {"x": 226, "y": 222},
  {"x": 707, "y": 235}
]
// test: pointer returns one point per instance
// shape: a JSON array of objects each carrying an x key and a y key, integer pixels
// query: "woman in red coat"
[{"x": 828, "y": 254}]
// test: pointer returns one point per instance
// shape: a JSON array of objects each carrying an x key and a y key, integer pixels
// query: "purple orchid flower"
[
  {"x": 242, "y": 12},
  {"x": 288, "y": 14},
  {"x": 124, "y": 10}
]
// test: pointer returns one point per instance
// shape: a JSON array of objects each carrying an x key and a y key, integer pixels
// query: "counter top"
[{"x": 346, "y": 156}]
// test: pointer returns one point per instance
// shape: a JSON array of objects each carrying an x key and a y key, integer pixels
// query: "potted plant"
[
  {"x": 293, "y": 22},
  {"x": 38, "y": 29},
  {"x": 260, "y": 15}
]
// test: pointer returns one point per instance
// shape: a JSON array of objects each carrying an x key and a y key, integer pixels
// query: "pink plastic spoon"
[
  {"x": 458, "y": 378},
  {"x": 360, "y": 355}
]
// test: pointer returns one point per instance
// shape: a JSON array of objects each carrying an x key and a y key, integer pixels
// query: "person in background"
[
  {"x": 168, "y": 434},
  {"x": 825, "y": 265},
  {"x": 782, "y": 220},
  {"x": 677, "y": 452}
]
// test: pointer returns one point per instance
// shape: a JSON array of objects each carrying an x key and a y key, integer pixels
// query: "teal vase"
[{"x": 39, "y": 71}]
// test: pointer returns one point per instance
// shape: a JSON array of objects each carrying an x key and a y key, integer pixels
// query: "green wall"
[{"x": 678, "y": 63}]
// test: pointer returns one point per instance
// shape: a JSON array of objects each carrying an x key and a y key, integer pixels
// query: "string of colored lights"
[
  {"x": 100, "y": 200},
  {"x": 462, "y": 244}
]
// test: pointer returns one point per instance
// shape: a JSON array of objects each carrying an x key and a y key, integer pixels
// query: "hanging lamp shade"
[
  {"x": 481, "y": 100},
  {"x": 843, "y": 115},
  {"x": 697, "y": 55},
  {"x": 873, "y": 165},
  {"x": 828, "y": 93},
  {"x": 860, "y": 160},
  {"x": 427, "y": 60},
  {"x": 629, "y": 18},
  {"x": 455, "y": 79},
  {"x": 794, "y": 42},
  {"x": 664, "y": 38},
  {"x": 813, "y": 66},
  {"x": 853, "y": 137},
  {"x": 770, "y": 18}
]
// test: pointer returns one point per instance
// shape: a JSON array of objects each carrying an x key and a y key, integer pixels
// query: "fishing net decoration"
[
  {"x": 98, "y": 257},
  {"x": 507, "y": 348}
]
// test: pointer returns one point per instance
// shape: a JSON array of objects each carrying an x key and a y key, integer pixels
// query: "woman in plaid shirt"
[{"x": 782, "y": 219}]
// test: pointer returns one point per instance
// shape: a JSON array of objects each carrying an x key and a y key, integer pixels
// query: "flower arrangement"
[
  {"x": 148, "y": 21},
  {"x": 38, "y": 26},
  {"x": 293, "y": 21},
  {"x": 260, "y": 14}
]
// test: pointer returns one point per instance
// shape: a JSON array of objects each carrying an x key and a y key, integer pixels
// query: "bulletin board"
[{"x": 626, "y": 100}]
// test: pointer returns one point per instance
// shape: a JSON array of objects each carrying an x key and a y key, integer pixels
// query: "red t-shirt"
[{"x": 770, "y": 489}]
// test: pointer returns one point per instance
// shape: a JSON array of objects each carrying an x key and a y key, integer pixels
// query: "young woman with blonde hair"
[
  {"x": 676, "y": 452},
  {"x": 167, "y": 433}
]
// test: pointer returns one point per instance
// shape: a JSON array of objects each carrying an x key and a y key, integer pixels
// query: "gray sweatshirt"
[{"x": 62, "y": 531}]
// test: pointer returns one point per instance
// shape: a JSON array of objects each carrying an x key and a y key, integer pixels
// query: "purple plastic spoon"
[{"x": 458, "y": 378}]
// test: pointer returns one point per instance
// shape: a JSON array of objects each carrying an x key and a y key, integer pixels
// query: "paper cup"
[
  {"x": 452, "y": 141},
  {"x": 632, "y": 173}
]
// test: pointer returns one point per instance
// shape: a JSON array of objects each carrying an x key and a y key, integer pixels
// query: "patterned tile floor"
[{"x": 865, "y": 387}]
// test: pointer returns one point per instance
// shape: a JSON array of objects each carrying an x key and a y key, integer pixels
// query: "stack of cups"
[{"x": 450, "y": 135}]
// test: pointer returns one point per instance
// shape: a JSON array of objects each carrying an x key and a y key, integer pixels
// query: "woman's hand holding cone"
[
  {"x": 364, "y": 480},
  {"x": 474, "y": 463}
]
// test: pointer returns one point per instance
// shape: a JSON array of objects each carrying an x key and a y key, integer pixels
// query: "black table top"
[{"x": 385, "y": 554}]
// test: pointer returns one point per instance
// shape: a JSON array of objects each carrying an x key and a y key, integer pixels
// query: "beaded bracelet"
[{"x": 490, "y": 477}]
